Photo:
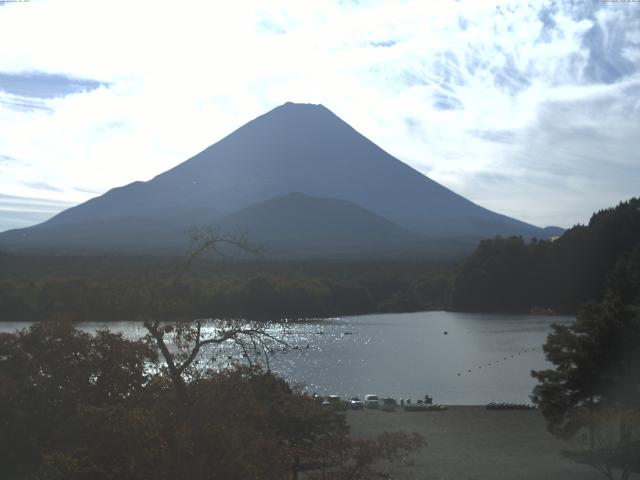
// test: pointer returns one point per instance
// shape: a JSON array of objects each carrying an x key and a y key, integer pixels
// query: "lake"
[{"x": 481, "y": 358}]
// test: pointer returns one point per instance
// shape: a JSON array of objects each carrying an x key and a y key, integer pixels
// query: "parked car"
[
  {"x": 388, "y": 405},
  {"x": 330, "y": 399},
  {"x": 334, "y": 402},
  {"x": 356, "y": 404},
  {"x": 371, "y": 401}
]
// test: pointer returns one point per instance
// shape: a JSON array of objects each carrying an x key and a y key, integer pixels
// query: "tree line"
[
  {"x": 502, "y": 274},
  {"x": 592, "y": 395},
  {"x": 117, "y": 288},
  {"x": 514, "y": 275}
]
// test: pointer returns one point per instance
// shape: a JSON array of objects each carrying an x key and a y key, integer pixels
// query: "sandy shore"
[{"x": 466, "y": 443}]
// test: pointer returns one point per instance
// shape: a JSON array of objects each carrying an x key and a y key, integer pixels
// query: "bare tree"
[
  {"x": 188, "y": 340},
  {"x": 206, "y": 240},
  {"x": 182, "y": 343}
]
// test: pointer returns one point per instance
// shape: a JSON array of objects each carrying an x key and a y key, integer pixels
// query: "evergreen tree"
[
  {"x": 594, "y": 390},
  {"x": 510, "y": 274}
]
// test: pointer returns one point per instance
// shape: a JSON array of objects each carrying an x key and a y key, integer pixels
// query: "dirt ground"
[{"x": 472, "y": 443}]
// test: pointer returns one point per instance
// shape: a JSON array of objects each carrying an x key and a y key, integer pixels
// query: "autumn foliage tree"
[
  {"x": 71, "y": 402},
  {"x": 81, "y": 406}
]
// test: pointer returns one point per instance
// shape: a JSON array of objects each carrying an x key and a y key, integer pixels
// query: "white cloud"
[{"x": 463, "y": 91}]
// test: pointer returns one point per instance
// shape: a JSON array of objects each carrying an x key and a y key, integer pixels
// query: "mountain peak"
[
  {"x": 300, "y": 110},
  {"x": 302, "y": 105}
]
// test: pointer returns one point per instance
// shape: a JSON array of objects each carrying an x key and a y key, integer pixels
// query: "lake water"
[{"x": 482, "y": 358}]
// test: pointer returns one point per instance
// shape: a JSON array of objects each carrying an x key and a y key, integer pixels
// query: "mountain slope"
[
  {"x": 293, "y": 148},
  {"x": 153, "y": 235}
]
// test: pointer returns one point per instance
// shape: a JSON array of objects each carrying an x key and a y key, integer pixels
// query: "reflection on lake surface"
[{"x": 481, "y": 358}]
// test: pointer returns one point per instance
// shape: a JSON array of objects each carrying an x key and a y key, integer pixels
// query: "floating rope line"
[{"x": 497, "y": 362}]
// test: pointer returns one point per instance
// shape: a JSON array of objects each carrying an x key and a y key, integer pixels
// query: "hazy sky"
[{"x": 529, "y": 109}]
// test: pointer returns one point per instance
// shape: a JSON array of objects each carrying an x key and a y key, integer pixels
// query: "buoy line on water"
[{"x": 497, "y": 362}]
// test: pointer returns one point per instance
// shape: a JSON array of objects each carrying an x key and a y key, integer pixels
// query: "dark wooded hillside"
[{"x": 509, "y": 274}]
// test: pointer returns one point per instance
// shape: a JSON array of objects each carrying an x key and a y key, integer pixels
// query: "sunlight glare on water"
[{"x": 480, "y": 358}]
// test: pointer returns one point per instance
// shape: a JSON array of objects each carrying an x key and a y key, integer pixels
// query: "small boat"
[{"x": 509, "y": 406}]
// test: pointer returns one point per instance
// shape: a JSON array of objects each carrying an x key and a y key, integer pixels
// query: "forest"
[
  {"x": 552, "y": 276},
  {"x": 592, "y": 394},
  {"x": 121, "y": 287},
  {"x": 503, "y": 274}
]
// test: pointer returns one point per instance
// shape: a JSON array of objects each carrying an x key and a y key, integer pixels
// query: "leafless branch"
[{"x": 206, "y": 239}]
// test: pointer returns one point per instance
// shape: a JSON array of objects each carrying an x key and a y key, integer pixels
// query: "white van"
[{"x": 371, "y": 401}]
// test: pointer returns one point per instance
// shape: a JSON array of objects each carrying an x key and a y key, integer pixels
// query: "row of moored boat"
[
  {"x": 424, "y": 407},
  {"x": 509, "y": 406}
]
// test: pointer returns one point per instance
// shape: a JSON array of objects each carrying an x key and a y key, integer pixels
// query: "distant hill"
[
  {"x": 298, "y": 223},
  {"x": 293, "y": 148},
  {"x": 509, "y": 274}
]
